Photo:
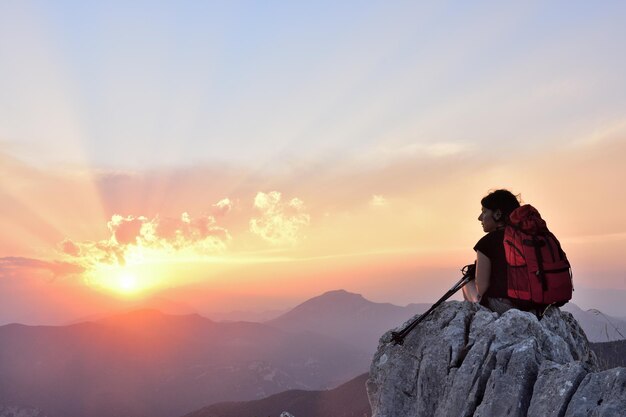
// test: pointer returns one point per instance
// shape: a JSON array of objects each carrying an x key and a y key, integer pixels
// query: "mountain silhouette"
[
  {"x": 598, "y": 327},
  {"x": 146, "y": 363},
  {"x": 351, "y": 318},
  {"x": 347, "y": 400},
  {"x": 610, "y": 354},
  {"x": 350, "y": 399},
  {"x": 347, "y": 317}
]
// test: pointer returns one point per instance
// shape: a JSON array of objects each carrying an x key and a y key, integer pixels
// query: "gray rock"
[
  {"x": 554, "y": 388},
  {"x": 601, "y": 394},
  {"x": 465, "y": 360}
]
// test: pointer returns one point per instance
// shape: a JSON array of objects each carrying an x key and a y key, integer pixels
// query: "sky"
[{"x": 220, "y": 156}]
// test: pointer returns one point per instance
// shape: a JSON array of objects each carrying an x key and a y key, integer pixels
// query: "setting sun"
[
  {"x": 127, "y": 283},
  {"x": 121, "y": 280}
]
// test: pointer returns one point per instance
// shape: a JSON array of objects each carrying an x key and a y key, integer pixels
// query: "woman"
[{"x": 490, "y": 286}]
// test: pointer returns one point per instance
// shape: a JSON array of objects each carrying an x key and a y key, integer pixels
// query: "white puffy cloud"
[
  {"x": 222, "y": 207},
  {"x": 201, "y": 233},
  {"x": 281, "y": 222}
]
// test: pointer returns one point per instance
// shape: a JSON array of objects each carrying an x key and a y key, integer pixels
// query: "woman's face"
[{"x": 487, "y": 220}]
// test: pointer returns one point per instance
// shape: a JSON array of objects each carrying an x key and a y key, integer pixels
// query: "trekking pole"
[{"x": 468, "y": 275}]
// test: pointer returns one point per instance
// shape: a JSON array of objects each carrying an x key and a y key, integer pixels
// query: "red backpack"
[{"x": 537, "y": 269}]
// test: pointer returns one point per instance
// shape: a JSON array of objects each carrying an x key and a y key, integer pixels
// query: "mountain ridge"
[
  {"x": 146, "y": 363},
  {"x": 346, "y": 400},
  {"x": 337, "y": 322},
  {"x": 345, "y": 316}
]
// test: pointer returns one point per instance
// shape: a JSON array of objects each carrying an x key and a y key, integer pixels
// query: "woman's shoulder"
[{"x": 490, "y": 240}]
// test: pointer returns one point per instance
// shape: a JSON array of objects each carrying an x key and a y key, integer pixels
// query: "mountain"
[
  {"x": 347, "y": 400},
  {"x": 14, "y": 411},
  {"x": 610, "y": 354},
  {"x": 145, "y": 363},
  {"x": 347, "y": 317},
  {"x": 350, "y": 399},
  {"x": 161, "y": 304},
  {"x": 464, "y": 360},
  {"x": 240, "y": 315},
  {"x": 357, "y": 321},
  {"x": 598, "y": 326}
]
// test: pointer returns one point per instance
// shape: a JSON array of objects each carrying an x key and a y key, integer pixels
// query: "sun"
[
  {"x": 127, "y": 283},
  {"x": 128, "y": 280}
]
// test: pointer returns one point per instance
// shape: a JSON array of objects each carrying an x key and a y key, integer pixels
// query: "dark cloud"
[{"x": 14, "y": 266}]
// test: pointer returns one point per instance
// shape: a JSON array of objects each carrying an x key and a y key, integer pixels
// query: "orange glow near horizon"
[
  {"x": 393, "y": 242},
  {"x": 124, "y": 281}
]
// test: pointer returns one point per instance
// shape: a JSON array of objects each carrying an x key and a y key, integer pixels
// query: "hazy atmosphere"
[{"x": 223, "y": 156}]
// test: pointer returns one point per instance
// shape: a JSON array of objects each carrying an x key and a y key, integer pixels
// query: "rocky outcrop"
[{"x": 465, "y": 360}]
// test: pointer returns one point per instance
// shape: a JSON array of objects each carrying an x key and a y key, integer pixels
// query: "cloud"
[
  {"x": 89, "y": 253},
  {"x": 139, "y": 238},
  {"x": 192, "y": 235},
  {"x": 185, "y": 231},
  {"x": 378, "y": 201},
  {"x": 126, "y": 230},
  {"x": 69, "y": 248},
  {"x": 11, "y": 266},
  {"x": 222, "y": 207},
  {"x": 280, "y": 222}
]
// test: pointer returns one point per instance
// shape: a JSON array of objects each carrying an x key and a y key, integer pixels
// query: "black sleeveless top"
[{"x": 492, "y": 246}]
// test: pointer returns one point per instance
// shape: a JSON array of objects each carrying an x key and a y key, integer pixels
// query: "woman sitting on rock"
[{"x": 490, "y": 286}]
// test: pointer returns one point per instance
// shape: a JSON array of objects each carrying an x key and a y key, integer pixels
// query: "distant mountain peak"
[
  {"x": 137, "y": 313},
  {"x": 341, "y": 294},
  {"x": 149, "y": 316},
  {"x": 336, "y": 299},
  {"x": 344, "y": 316},
  {"x": 339, "y": 291}
]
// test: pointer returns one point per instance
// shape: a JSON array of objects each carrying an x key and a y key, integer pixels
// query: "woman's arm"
[
  {"x": 470, "y": 293},
  {"x": 483, "y": 272}
]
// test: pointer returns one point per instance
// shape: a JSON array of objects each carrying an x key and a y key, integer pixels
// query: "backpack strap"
[{"x": 540, "y": 271}]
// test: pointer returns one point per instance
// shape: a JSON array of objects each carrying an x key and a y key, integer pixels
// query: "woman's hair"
[{"x": 502, "y": 200}]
